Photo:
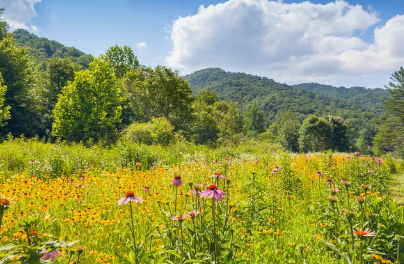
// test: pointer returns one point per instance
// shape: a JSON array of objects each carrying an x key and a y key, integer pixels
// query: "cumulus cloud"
[
  {"x": 18, "y": 13},
  {"x": 288, "y": 42},
  {"x": 141, "y": 45}
]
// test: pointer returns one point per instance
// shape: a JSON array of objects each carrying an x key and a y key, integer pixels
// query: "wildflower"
[
  {"x": 217, "y": 175},
  {"x": 179, "y": 218},
  {"x": 361, "y": 200},
  {"x": 349, "y": 214},
  {"x": 357, "y": 153},
  {"x": 345, "y": 183},
  {"x": 319, "y": 174},
  {"x": 365, "y": 233},
  {"x": 177, "y": 180},
  {"x": 366, "y": 187},
  {"x": 32, "y": 162},
  {"x": 227, "y": 159},
  {"x": 213, "y": 192},
  {"x": 50, "y": 255},
  {"x": 4, "y": 203},
  {"x": 329, "y": 181},
  {"x": 193, "y": 213},
  {"x": 129, "y": 196},
  {"x": 333, "y": 199},
  {"x": 146, "y": 188},
  {"x": 71, "y": 181}
]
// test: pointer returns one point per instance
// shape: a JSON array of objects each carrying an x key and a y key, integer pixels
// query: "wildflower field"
[{"x": 267, "y": 208}]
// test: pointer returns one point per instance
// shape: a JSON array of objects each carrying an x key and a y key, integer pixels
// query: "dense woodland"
[{"x": 57, "y": 93}]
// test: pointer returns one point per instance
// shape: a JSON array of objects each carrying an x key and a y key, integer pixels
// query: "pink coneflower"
[
  {"x": 4, "y": 203},
  {"x": 147, "y": 188},
  {"x": 193, "y": 213},
  {"x": 71, "y": 181},
  {"x": 329, "y": 181},
  {"x": 51, "y": 255},
  {"x": 345, "y": 182},
  {"x": 179, "y": 218},
  {"x": 371, "y": 171},
  {"x": 365, "y": 233},
  {"x": 213, "y": 192},
  {"x": 177, "y": 180},
  {"x": 357, "y": 153},
  {"x": 217, "y": 175},
  {"x": 319, "y": 174},
  {"x": 227, "y": 159},
  {"x": 129, "y": 196},
  {"x": 32, "y": 162},
  {"x": 82, "y": 178},
  {"x": 366, "y": 187}
]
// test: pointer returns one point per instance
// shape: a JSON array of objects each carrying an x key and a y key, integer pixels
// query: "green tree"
[
  {"x": 255, "y": 120},
  {"x": 288, "y": 131},
  {"x": 204, "y": 129},
  {"x": 340, "y": 131},
  {"x": 229, "y": 121},
  {"x": 207, "y": 97},
  {"x": 315, "y": 134},
  {"x": 89, "y": 107},
  {"x": 122, "y": 59},
  {"x": 4, "y": 109},
  {"x": 391, "y": 130}
]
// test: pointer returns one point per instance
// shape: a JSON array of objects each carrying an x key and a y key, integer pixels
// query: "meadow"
[{"x": 64, "y": 203}]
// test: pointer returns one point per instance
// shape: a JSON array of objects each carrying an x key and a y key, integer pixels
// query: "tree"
[
  {"x": 255, "y": 120},
  {"x": 89, "y": 107},
  {"x": 229, "y": 121},
  {"x": 204, "y": 128},
  {"x": 340, "y": 131},
  {"x": 288, "y": 131},
  {"x": 207, "y": 97},
  {"x": 391, "y": 130},
  {"x": 4, "y": 109},
  {"x": 157, "y": 92},
  {"x": 315, "y": 134},
  {"x": 122, "y": 59}
]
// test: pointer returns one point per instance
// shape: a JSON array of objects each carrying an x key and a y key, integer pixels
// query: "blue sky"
[{"x": 222, "y": 36}]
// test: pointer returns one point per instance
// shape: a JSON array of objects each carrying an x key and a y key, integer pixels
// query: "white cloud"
[
  {"x": 141, "y": 45},
  {"x": 288, "y": 42},
  {"x": 18, "y": 13}
]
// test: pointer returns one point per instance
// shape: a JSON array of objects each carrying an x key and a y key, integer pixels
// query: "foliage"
[
  {"x": 43, "y": 49},
  {"x": 287, "y": 131},
  {"x": 390, "y": 135},
  {"x": 122, "y": 59},
  {"x": 315, "y": 134},
  {"x": 4, "y": 109},
  {"x": 89, "y": 107},
  {"x": 157, "y": 131},
  {"x": 255, "y": 120}
]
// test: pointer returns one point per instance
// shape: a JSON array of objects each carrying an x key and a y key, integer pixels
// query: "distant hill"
[
  {"x": 358, "y": 104},
  {"x": 43, "y": 48},
  {"x": 365, "y": 97}
]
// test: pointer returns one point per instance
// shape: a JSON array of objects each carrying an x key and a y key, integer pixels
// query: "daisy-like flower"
[
  {"x": 365, "y": 233},
  {"x": 179, "y": 218},
  {"x": 366, "y": 187},
  {"x": 4, "y": 203},
  {"x": 193, "y": 213},
  {"x": 213, "y": 192},
  {"x": 129, "y": 196},
  {"x": 146, "y": 188},
  {"x": 51, "y": 255},
  {"x": 319, "y": 174},
  {"x": 177, "y": 180},
  {"x": 329, "y": 181},
  {"x": 217, "y": 175}
]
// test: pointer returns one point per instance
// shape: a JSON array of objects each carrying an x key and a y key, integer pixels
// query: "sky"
[{"x": 349, "y": 43}]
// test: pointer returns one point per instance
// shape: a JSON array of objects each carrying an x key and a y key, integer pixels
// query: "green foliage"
[
  {"x": 157, "y": 92},
  {"x": 255, "y": 120},
  {"x": 391, "y": 130},
  {"x": 4, "y": 109},
  {"x": 43, "y": 49},
  {"x": 89, "y": 107},
  {"x": 204, "y": 129},
  {"x": 315, "y": 134},
  {"x": 229, "y": 120},
  {"x": 157, "y": 131},
  {"x": 287, "y": 131},
  {"x": 122, "y": 59},
  {"x": 339, "y": 132}
]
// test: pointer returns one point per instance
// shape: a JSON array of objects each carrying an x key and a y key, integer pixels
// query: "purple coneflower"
[
  {"x": 71, "y": 181},
  {"x": 217, "y": 175},
  {"x": 365, "y": 233},
  {"x": 179, "y": 218},
  {"x": 51, "y": 255},
  {"x": 213, "y": 192},
  {"x": 319, "y": 174},
  {"x": 177, "y": 180},
  {"x": 129, "y": 196},
  {"x": 147, "y": 188},
  {"x": 329, "y": 181},
  {"x": 193, "y": 213}
]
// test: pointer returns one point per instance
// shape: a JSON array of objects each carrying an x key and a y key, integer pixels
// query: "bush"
[{"x": 157, "y": 131}]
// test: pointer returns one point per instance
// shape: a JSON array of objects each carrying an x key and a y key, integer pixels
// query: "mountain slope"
[
  {"x": 43, "y": 48},
  {"x": 273, "y": 97}
]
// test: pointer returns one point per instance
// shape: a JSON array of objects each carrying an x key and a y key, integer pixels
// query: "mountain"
[
  {"x": 273, "y": 97},
  {"x": 43, "y": 48},
  {"x": 365, "y": 97}
]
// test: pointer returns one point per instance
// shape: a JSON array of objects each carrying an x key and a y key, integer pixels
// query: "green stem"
[
  {"x": 214, "y": 228},
  {"x": 175, "y": 202},
  {"x": 182, "y": 243},
  {"x": 352, "y": 235},
  {"x": 1, "y": 217},
  {"x": 133, "y": 231}
]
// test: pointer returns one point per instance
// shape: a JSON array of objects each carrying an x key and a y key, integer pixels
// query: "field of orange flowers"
[{"x": 283, "y": 208}]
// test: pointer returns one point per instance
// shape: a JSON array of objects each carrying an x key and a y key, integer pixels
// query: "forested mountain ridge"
[
  {"x": 42, "y": 48},
  {"x": 273, "y": 97}
]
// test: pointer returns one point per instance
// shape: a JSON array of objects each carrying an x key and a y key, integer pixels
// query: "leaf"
[
  {"x": 7, "y": 247},
  {"x": 336, "y": 250},
  {"x": 121, "y": 258}
]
